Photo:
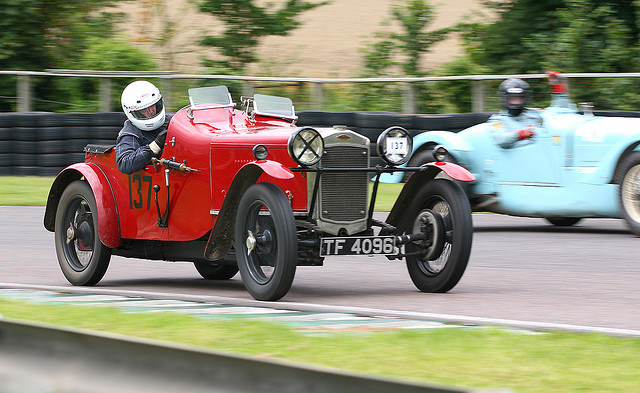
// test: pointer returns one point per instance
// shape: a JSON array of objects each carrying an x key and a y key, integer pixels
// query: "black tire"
[
  {"x": 6, "y": 159},
  {"x": 266, "y": 242},
  {"x": 563, "y": 221},
  {"x": 7, "y": 146},
  {"x": 49, "y": 170},
  {"x": 441, "y": 207},
  {"x": 25, "y": 147},
  {"x": 25, "y": 160},
  {"x": 629, "y": 193},
  {"x": 51, "y": 133},
  {"x": 215, "y": 270},
  {"x": 56, "y": 159},
  {"x": 82, "y": 257},
  {"x": 21, "y": 170}
]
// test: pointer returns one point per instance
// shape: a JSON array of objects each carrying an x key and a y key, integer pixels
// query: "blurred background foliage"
[{"x": 521, "y": 36}]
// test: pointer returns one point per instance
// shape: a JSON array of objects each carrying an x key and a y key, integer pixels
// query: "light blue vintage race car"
[{"x": 574, "y": 166}]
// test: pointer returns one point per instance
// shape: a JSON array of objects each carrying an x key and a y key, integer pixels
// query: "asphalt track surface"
[{"x": 522, "y": 272}]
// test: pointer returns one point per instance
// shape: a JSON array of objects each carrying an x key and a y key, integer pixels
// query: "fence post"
[
  {"x": 248, "y": 89},
  {"x": 24, "y": 94},
  {"x": 317, "y": 95},
  {"x": 105, "y": 94},
  {"x": 478, "y": 94},
  {"x": 409, "y": 102},
  {"x": 167, "y": 94}
]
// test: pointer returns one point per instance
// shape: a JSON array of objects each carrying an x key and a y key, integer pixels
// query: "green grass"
[
  {"x": 24, "y": 191},
  {"x": 477, "y": 358},
  {"x": 33, "y": 191}
]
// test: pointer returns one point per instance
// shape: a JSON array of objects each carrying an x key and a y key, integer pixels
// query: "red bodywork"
[
  {"x": 199, "y": 202},
  {"x": 217, "y": 143}
]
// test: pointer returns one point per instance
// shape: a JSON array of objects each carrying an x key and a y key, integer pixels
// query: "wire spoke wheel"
[{"x": 630, "y": 192}]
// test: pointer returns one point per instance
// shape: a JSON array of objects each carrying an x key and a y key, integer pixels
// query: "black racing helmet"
[{"x": 515, "y": 94}]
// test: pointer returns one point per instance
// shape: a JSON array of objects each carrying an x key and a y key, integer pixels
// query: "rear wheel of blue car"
[
  {"x": 266, "y": 242},
  {"x": 82, "y": 257},
  {"x": 629, "y": 179},
  {"x": 441, "y": 212},
  {"x": 216, "y": 270},
  {"x": 563, "y": 221}
]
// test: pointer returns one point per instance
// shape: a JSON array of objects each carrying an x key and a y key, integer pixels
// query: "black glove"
[{"x": 161, "y": 138}]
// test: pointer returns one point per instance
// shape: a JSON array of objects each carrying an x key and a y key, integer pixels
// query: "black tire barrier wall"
[{"x": 42, "y": 144}]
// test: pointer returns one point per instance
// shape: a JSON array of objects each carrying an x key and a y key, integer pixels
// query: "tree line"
[{"x": 515, "y": 36}]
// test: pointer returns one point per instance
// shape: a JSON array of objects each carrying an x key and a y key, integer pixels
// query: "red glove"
[
  {"x": 526, "y": 133},
  {"x": 557, "y": 87}
]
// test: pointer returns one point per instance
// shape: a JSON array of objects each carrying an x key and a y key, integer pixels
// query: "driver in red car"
[
  {"x": 145, "y": 130},
  {"x": 515, "y": 124}
]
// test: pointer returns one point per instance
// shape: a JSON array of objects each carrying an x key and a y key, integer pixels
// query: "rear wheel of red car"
[
  {"x": 441, "y": 210},
  {"x": 266, "y": 242},
  {"x": 216, "y": 270},
  {"x": 82, "y": 257},
  {"x": 630, "y": 192}
]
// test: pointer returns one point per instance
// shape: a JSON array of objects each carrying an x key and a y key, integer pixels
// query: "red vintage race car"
[{"x": 249, "y": 190}]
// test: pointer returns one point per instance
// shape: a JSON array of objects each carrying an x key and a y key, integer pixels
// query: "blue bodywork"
[{"x": 566, "y": 170}]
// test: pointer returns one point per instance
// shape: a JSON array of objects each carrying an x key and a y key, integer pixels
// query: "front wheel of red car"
[
  {"x": 266, "y": 242},
  {"x": 630, "y": 192},
  {"x": 82, "y": 257},
  {"x": 441, "y": 211}
]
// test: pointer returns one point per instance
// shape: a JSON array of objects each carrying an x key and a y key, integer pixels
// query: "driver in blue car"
[
  {"x": 145, "y": 130},
  {"x": 515, "y": 124}
]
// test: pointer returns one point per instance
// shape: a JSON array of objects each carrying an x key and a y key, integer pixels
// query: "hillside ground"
[{"x": 328, "y": 44}]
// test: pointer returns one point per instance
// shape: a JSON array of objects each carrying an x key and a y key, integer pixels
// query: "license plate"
[{"x": 358, "y": 245}]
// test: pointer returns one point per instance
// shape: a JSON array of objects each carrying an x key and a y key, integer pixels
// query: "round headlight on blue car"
[
  {"x": 306, "y": 146},
  {"x": 394, "y": 145}
]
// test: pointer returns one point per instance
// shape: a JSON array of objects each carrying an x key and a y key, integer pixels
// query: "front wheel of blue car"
[
  {"x": 630, "y": 191},
  {"x": 266, "y": 242},
  {"x": 440, "y": 211}
]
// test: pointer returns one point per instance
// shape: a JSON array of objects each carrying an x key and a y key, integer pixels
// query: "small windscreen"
[
  {"x": 207, "y": 96},
  {"x": 273, "y": 105}
]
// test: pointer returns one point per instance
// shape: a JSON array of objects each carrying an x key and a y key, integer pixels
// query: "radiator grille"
[{"x": 344, "y": 195}]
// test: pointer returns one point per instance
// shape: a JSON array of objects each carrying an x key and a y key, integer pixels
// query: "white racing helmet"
[{"x": 142, "y": 103}]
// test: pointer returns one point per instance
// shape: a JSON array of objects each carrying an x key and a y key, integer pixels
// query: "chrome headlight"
[
  {"x": 394, "y": 145},
  {"x": 306, "y": 146}
]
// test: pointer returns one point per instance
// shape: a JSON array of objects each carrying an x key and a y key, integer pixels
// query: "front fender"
[
  {"x": 419, "y": 179},
  {"x": 108, "y": 222},
  {"x": 610, "y": 163},
  {"x": 271, "y": 168},
  {"x": 454, "y": 171},
  {"x": 221, "y": 237}
]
